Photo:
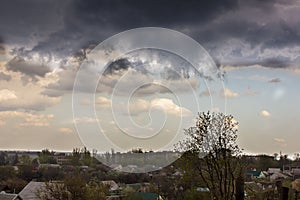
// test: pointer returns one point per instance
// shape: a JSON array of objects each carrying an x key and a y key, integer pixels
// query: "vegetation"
[
  {"x": 212, "y": 151},
  {"x": 74, "y": 187}
]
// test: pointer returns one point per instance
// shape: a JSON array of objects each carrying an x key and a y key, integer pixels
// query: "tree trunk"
[
  {"x": 239, "y": 188},
  {"x": 285, "y": 193}
]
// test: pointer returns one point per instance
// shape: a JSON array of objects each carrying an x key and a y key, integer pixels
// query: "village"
[{"x": 32, "y": 175}]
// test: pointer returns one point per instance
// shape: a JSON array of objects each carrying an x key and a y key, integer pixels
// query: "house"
[
  {"x": 48, "y": 166},
  {"x": 202, "y": 189},
  {"x": 274, "y": 170},
  {"x": 4, "y": 188},
  {"x": 255, "y": 174},
  {"x": 295, "y": 172},
  {"x": 278, "y": 175},
  {"x": 30, "y": 190},
  {"x": 116, "y": 167},
  {"x": 62, "y": 158},
  {"x": 7, "y": 196},
  {"x": 112, "y": 185}
]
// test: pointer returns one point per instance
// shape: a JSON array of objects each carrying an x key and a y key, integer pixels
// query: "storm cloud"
[
  {"x": 234, "y": 32},
  {"x": 28, "y": 68}
]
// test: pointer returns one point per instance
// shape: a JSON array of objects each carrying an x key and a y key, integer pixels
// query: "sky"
[{"x": 146, "y": 97}]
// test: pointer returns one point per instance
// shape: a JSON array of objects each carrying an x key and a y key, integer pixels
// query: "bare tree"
[
  {"x": 53, "y": 191},
  {"x": 72, "y": 188},
  {"x": 212, "y": 151}
]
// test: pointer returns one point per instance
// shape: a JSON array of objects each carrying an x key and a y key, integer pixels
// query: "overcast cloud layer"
[{"x": 234, "y": 32}]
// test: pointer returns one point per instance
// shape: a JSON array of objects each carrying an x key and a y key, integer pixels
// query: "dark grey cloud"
[
  {"x": 60, "y": 30},
  {"x": 275, "y": 80},
  {"x": 30, "y": 69},
  {"x": 141, "y": 62},
  {"x": 25, "y": 22},
  {"x": 278, "y": 62},
  {"x": 2, "y": 47},
  {"x": 91, "y": 22},
  {"x": 270, "y": 62},
  {"x": 117, "y": 65}
]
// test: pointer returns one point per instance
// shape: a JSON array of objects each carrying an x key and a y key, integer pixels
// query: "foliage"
[
  {"x": 74, "y": 188},
  {"x": 53, "y": 190},
  {"x": 76, "y": 185},
  {"x": 15, "y": 184},
  {"x": 82, "y": 156},
  {"x": 50, "y": 173},
  {"x": 26, "y": 172},
  {"x": 25, "y": 160},
  {"x": 7, "y": 172},
  {"x": 15, "y": 159},
  {"x": 86, "y": 158},
  {"x": 47, "y": 157},
  {"x": 95, "y": 191},
  {"x": 3, "y": 158}
]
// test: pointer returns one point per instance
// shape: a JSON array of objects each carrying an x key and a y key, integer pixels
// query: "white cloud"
[
  {"x": 139, "y": 106},
  {"x": 229, "y": 93},
  {"x": 6, "y": 94},
  {"x": 36, "y": 120},
  {"x": 14, "y": 95},
  {"x": 61, "y": 82},
  {"x": 103, "y": 102},
  {"x": 264, "y": 113},
  {"x": 163, "y": 104},
  {"x": 29, "y": 119},
  {"x": 86, "y": 120},
  {"x": 280, "y": 141},
  {"x": 66, "y": 131},
  {"x": 170, "y": 107}
]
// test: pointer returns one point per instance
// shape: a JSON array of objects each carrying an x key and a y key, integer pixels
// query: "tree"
[
  {"x": 73, "y": 187},
  {"x": 53, "y": 190},
  {"x": 86, "y": 156},
  {"x": 15, "y": 184},
  {"x": 76, "y": 185},
  {"x": 47, "y": 157},
  {"x": 7, "y": 172},
  {"x": 95, "y": 191},
  {"x": 50, "y": 173},
  {"x": 25, "y": 160},
  {"x": 76, "y": 155},
  {"x": 296, "y": 187},
  {"x": 26, "y": 172},
  {"x": 15, "y": 159},
  {"x": 3, "y": 158},
  {"x": 212, "y": 151}
]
